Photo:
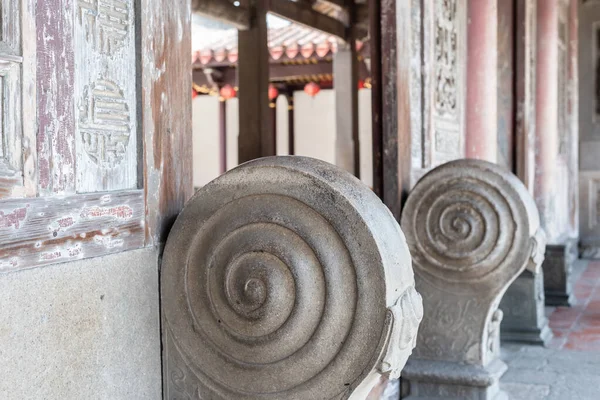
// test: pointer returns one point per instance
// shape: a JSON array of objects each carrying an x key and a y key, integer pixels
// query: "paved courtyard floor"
[{"x": 569, "y": 369}]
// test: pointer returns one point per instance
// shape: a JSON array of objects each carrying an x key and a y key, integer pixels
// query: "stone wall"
[{"x": 87, "y": 329}]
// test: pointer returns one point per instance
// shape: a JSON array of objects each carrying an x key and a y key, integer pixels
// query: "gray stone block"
[
  {"x": 286, "y": 278},
  {"x": 82, "y": 330},
  {"x": 558, "y": 266},
  {"x": 523, "y": 307},
  {"x": 472, "y": 228}
]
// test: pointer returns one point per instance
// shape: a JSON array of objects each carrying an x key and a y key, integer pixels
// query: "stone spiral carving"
[
  {"x": 287, "y": 278},
  {"x": 465, "y": 225},
  {"x": 472, "y": 228}
]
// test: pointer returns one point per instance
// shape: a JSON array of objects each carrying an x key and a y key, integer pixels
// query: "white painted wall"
[
  {"x": 314, "y": 125},
  {"x": 205, "y": 110},
  {"x": 233, "y": 131},
  {"x": 283, "y": 137},
  {"x": 365, "y": 136}
]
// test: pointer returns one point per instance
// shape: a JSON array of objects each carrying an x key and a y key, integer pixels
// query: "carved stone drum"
[
  {"x": 471, "y": 228},
  {"x": 285, "y": 278}
]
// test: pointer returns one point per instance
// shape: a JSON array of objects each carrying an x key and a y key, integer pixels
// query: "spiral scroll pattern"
[
  {"x": 465, "y": 221},
  {"x": 275, "y": 298}
]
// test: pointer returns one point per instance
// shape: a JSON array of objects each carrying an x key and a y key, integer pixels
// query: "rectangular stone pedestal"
[
  {"x": 523, "y": 307},
  {"x": 558, "y": 264},
  {"x": 424, "y": 379}
]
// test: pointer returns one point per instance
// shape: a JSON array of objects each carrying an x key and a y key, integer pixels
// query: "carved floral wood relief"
[
  {"x": 446, "y": 42},
  {"x": 445, "y": 86}
]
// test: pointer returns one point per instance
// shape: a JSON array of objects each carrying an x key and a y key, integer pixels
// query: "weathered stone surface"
[
  {"x": 286, "y": 278},
  {"x": 523, "y": 303},
  {"x": 558, "y": 266},
  {"x": 523, "y": 307},
  {"x": 471, "y": 227},
  {"x": 85, "y": 329}
]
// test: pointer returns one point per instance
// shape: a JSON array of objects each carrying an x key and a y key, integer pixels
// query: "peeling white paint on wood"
[{"x": 46, "y": 230}]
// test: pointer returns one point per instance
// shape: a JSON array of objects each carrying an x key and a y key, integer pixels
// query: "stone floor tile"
[
  {"x": 526, "y": 391},
  {"x": 583, "y": 340},
  {"x": 565, "y": 317}
]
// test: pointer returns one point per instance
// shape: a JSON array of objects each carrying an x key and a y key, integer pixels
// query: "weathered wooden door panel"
[
  {"x": 17, "y": 98},
  {"x": 72, "y": 137}
]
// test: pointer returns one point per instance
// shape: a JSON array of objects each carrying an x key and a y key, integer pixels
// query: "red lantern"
[
  {"x": 227, "y": 92},
  {"x": 312, "y": 89},
  {"x": 273, "y": 92}
]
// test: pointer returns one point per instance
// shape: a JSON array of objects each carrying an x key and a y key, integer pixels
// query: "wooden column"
[
  {"x": 376, "y": 97},
  {"x": 273, "y": 119},
  {"x": 482, "y": 80},
  {"x": 547, "y": 104},
  {"x": 345, "y": 73},
  {"x": 255, "y": 132},
  {"x": 525, "y": 90},
  {"x": 291, "y": 136},
  {"x": 223, "y": 135},
  {"x": 391, "y": 103}
]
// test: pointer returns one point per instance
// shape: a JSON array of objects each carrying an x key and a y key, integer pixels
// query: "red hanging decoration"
[
  {"x": 361, "y": 84},
  {"x": 312, "y": 89},
  {"x": 194, "y": 94},
  {"x": 227, "y": 92},
  {"x": 273, "y": 92}
]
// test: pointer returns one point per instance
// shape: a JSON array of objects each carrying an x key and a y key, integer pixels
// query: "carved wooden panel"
[
  {"x": 105, "y": 95},
  {"x": 76, "y": 64},
  {"x": 16, "y": 173},
  {"x": 444, "y": 52}
]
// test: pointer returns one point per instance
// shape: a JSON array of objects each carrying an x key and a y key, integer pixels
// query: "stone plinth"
[
  {"x": 472, "y": 228},
  {"x": 523, "y": 307},
  {"x": 523, "y": 303},
  {"x": 557, "y": 267},
  {"x": 286, "y": 278}
]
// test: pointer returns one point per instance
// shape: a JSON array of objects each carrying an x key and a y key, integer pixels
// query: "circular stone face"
[
  {"x": 467, "y": 221},
  {"x": 273, "y": 284}
]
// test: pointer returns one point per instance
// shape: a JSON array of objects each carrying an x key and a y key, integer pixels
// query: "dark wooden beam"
[
  {"x": 223, "y": 136},
  {"x": 376, "y": 96},
  {"x": 345, "y": 71},
  {"x": 291, "y": 135},
  {"x": 223, "y": 11},
  {"x": 305, "y": 15},
  {"x": 390, "y": 36},
  {"x": 255, "y": 132}
]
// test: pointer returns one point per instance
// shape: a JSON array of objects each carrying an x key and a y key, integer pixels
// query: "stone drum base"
[
  {"x": 523, "y": 307},
  {"x": 535, "y": 336},
  {"x": 557, "y": 273},
  {"x": 428, "y": 380}
]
